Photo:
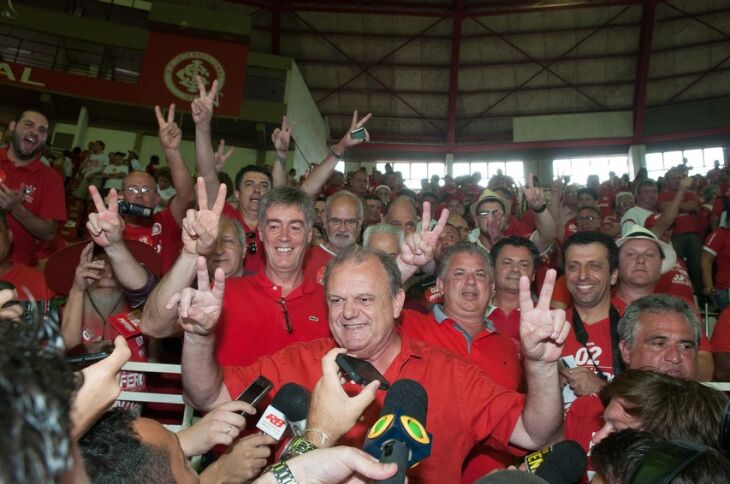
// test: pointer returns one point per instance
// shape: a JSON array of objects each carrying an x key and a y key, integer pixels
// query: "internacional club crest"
[{"x": 180, "y": 73}]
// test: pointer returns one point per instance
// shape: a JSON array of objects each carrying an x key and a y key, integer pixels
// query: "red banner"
[
  {"x": 171, "y": 62},
  {"x": 168, "y": 75}
]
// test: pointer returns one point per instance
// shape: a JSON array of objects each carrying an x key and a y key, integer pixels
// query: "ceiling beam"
[
  {"x": 648, "y": 16},
  {"x": 454, "y": 74}
]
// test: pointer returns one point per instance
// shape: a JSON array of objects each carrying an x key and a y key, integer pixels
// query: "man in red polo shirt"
[
  {"x": 19, "y": 275},
  {"x": 31, "y": 193},
  {"x": 364, "y": 298},
  {"x": 466, "y": 279},
  {"x": 343, "y": 218}
]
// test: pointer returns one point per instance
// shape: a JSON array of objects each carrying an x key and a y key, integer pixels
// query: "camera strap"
[{"x": 581, "y": 335}]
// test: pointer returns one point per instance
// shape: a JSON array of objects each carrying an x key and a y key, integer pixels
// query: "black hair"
[
  {"x": 256, "y": 169},
  {"x": 516, "y": 241},
  {"x": 113, "y": 452},
  {"x": 592, "y": 237},
  {"x": 19, "y": 116},
  {"x": 590, "y": 191}
]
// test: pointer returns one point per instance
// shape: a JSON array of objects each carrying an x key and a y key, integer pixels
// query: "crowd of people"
[{"x": 529, "y": 315}]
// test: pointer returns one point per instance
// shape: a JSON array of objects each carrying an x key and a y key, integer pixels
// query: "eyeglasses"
[
  {"x": 589, "y": 218},
  {"x": 251, "y": 246},
  {"x": 486, "y": 213},
  {"x": 408, "y": 225},
  {"x": 350, "y": 222},
  {"x": 135, "y": 190},
  {"x": 282, "y": 303}
]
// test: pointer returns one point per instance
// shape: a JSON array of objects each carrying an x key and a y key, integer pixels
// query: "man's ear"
[
  {"x": 398, "y": 302},
  {"x": 11, "y": 126},
  {"x": 625, "y": 353}
]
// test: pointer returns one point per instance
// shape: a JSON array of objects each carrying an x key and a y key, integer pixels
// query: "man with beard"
[
  {"x": 31, "y": 193},
  {"x": 342, "y": 220}
]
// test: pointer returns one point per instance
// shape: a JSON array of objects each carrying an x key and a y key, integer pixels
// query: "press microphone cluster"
[
  {"x": 288, "y": 409},
  {"x": 399, "y": 435},
  {"x": 563, "y": 463}
]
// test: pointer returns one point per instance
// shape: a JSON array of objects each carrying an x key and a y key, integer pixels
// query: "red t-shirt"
[
  {"x": 718, "y": 244},
  {"x": 43, "y": 196},
  {"x": 584, "y": 418},
  {"x": 252, "y": 262},
  {"x": 464, "y": 406},
  {"x": 676, "y": 282},
  {"x": 315, "y": 262},
  {"x": 163, "y": 234},
  {"x": 27, "y": 277},
  {"x": 253, "y": 323},
  {"x": 721, "y": 334},
  {"x": 685, "y": 221}
]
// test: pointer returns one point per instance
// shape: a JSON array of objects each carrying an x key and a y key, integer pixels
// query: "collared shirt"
[
  {"x": 43, "y": 196},
  {"x": 315, "y": 262},
  {"x": 464, "y": 406},
  {"x": 252, "y": 262},
  {"x": 254, "y": 324}
]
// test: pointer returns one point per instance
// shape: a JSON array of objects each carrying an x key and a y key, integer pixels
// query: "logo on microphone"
[{"x": 275, "y": 421}]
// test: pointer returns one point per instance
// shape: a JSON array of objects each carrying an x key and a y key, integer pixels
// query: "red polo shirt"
[
  {"x": 507, "y": 324},
  {"x": 27, "y": 277},
  {"x": 253, "y": 323},
  {"x": 162, "y": 233},
  {"x": 43, "y": 196},
  {"x": 252, "y": 262},
  {"x": 315, "y": 262},
  {"x": 464, "y": 406}
]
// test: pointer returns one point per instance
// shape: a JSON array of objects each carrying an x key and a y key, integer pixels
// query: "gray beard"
[{"x": 106, "y": 301}]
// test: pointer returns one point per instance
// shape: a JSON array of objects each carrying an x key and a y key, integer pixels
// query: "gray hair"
[
  {"x": 358, "y": 255},
  {"x": 382, "y": 229},
  {"x": 288, "y": 196},
  {"x": 240, "y": 236},
  {"x": 344, "y": 193},
  {"x": 466, "y": 248},
  {"x": 630, "y": 323}
]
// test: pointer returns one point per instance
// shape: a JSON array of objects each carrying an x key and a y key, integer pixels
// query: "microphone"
[
  {"x": 290, "y": 404},
  {"x": 563, "y": 463},
  {"x": 134, "y": 209},
  {"x": 399, "y": 435}
]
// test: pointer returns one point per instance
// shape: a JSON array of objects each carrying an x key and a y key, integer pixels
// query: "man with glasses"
[
  {"x": 342, "y": 219},
  {"x": 162, "y": 230},
  {"x": 491, "y": 212}
]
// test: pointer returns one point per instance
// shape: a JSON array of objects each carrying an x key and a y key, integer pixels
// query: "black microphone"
[
  {"x": 290, "y": 404},
  {"x": 563, "y": 463},
  {"x": 135, "y": 210},
  {"x": 399, "y": 434}
]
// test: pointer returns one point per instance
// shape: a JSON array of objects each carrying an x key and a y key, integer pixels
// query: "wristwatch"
[
  {"x": 340, "y": 157},
  {"x": 283, "y": 474},
  {"x": 541, "y": 209},
  {"x": 296, "y": 447}
]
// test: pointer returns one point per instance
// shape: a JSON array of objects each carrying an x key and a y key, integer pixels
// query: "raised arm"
[
  {"x": 319, "y": 175},
  {"x": 202, "y": 110},
  {"x": 418, "y": 248},
  {"x": 86, "y": 273},
  {"x": 199, "y": 310},
  {"x": 200, "y": 229},
  {"x": 544, "y": 221},
  {"x": 281, "y": 137},
  {"x": 671, "y": 209},
  {"x": 106, "y": 228},
  {"x": 542, "y": 332},
  {"x": 170, "y": 136},
  {"x": 556, "y": 196}
]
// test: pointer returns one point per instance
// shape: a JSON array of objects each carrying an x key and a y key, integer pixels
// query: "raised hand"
[
  {"x": 418, "y": 248},
  {"x": 202, "y": 106},
  {"x": 534, "y": 195},
  {"x": 221, "y": 156},
  {"x": 339, "y": 464},
  {"x": 219, "y": 426},
  {"x": 281, "y": 137},
  {"x": 200, "y": 227},
  {"x": 542, "y": 331},
  {"x": 106, "y": 226},
  {"x": 331, "y": 410},
  {"x": 199, "y": 309},
  {"x": 10, "y": 199},
  {"x": 169, "y": 133},
  {"x": 347, "y": 142},
  {"x": 88, "y": 270}
]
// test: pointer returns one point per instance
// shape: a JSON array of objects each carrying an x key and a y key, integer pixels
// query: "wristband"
[
  {"x": 283, "y": 474},
  {"x": 342, "y": 157},
  {"x": 541, "y": 209},
  {"x": 325, "y": 438}
]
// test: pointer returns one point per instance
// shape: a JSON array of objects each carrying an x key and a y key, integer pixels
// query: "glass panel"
[
  {"x": 672, "y": 158},
  {"x": 516, "y": 170},
  {"x": 413, "y": 184},
  {"x": 380, "y": 166},
  {"x": 493, "y": 167},
  {"x": 340, "y": 166},
  {"x": 437, "y": 169},
  {"x": 481, "y": 168},
  {"x": 460, "y": 169},
  {"x": 712, "y": 155},
  {"x": 654, "y": 162},
  {"x": 403, "y": 168},
  {"x": 418, "y": 171}
]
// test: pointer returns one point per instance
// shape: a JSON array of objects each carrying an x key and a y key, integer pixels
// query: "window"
[
  {"x": 700, "y": 161},
  {"x": 578, "y": 169},
  {"x": 414, "y": 172},
  {"x": 514, "y": 169}
]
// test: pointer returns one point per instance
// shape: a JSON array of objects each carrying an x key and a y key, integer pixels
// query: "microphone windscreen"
[
  {"x": 293, "y": 401},
  {"x": 565, "y": 464},
  {"x": 409, "y": 397}
]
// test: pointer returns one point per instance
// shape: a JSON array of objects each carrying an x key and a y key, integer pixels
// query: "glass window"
[
  {"x": 460, "y": 169},
  {"x": 700, "y": 161},
  {"x": 579, "y": 168}
]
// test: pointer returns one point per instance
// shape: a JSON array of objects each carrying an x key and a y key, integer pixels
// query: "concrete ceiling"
[{"x": 455, "y": 72}]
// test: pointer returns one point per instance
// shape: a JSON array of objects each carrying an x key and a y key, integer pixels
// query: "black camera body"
[{"x": 135, "y": 210}]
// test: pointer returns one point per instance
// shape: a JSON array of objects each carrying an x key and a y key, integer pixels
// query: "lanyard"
[{"x": 581, "y": 335}]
